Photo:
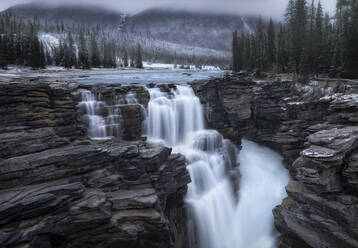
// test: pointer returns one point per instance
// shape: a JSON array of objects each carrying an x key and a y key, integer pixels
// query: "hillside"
[
  {"x": 195, "y": 29},
  {"x": 205, "y": 30},
  {"x": 74, "y": 14},
  {"x": 166, "y": 35}
]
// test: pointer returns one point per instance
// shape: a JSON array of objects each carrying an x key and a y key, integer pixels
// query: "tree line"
[
  {"x": 19, "y": 43},
  {"x": 81, "y": 47},
  {"x": 309, "y": 42}
]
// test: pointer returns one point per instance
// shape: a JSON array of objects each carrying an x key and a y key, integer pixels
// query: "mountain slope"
[
  {"x": 205, "y": 30},
  {"x": 166, "y": 35},
  {"x": 74, "y": 14}
]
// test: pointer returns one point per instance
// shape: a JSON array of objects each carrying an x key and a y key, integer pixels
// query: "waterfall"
[
  {"x": 220, "y": 216},
  {"x": 104, "y": 121}
]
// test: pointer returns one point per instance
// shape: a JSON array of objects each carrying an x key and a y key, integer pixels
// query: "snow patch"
[{"x": 49, "y": 41}]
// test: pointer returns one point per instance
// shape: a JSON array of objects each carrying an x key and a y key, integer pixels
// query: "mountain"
[
  {"x": 206, "y": 30},
  {"x": 198, "y": 29},
  {"x": 167, "y": 35},
  {"x": 70, "y": 14}
]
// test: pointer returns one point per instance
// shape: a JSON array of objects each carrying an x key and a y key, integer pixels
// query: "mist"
[{"x": 266, "y": 8}]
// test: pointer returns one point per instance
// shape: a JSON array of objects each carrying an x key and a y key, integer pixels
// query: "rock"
[
  {"x": 319, "y": 221},
  {"x": 132, "y": 122},
  {"x": 320, "y": 166},
  {"x": 60, "y": 189},
  {"x": 314, "y": 127},
  {"x": 25, "y": 106}
]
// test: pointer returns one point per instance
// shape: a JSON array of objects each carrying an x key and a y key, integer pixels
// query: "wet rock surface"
[
  {"x": 314, "y": 126},
  {"x": 60, "y": 189}
]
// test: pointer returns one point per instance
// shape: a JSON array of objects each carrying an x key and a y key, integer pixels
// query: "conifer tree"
[
  {"x": 309, "y": 48},
  {"x": 235, "y": 52},
  {"x": 139, "y": 59},
  {"x": 318, "y": 39},
  {"x": 132, "y": 58},
  {"x": 260, "y": 47},
  {"x": 282, "y": 49},
  {"x": 70, "y": 58},
  {"x": 271, "y": 48},
  {"x": 3, "y": 59},
  {"x": 59, "y": 54},
  {"x": 125, "y": 58},
  {"x": 351, "y": 41},
  {"x": 95, "y": 54},
  {"x": 83, "y": 57}
]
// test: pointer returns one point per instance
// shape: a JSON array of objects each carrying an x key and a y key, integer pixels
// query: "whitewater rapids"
[{"x": 220, "y": 216}]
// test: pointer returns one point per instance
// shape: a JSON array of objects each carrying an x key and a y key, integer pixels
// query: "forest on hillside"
[
  {"x": 83, "y": 46},
  {"x": 79, "y": 47},
  {"x": 309, "y": 42}
]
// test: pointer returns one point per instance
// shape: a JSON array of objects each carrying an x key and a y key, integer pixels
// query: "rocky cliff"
[
  {"x": 60, "y": 189},
  {"x": 314, "y": 126}
]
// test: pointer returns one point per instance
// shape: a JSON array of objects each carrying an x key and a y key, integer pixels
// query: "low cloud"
[{"x": 274, "y": 8}]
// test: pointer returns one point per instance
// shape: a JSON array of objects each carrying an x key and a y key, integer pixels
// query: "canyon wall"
[
  {"x": 314, "y": 127},
  {"x": 60, "y": 189}
]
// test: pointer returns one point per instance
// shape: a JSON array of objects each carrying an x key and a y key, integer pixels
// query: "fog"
[{"x": 274, "y": 8}]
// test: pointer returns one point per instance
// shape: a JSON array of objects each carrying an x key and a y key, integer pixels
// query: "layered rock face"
[
  {"x": 60, "y": 189},
  {"x": 314, "y": 127}
]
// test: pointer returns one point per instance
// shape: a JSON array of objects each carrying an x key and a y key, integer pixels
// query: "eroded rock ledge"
[
  {"x": 314, "y": 127},
  {"x": 60, "y": 189}
]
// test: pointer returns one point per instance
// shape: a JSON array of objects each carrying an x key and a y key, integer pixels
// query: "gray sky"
[{"x": 273, "y": 8}]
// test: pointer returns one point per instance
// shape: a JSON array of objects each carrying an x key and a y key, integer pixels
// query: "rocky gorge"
[
  {"x": 314, "y": 127},
  {"x": 58, "y": 188}
]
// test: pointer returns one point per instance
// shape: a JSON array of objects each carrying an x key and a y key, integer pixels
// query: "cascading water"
[
  {"x": 219, "y": 215},
  {"x": 104, "y": 122}
]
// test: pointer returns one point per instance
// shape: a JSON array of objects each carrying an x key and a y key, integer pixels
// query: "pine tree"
[
  {"x": 35, "y": 51},
  {"x": 83, "y": 57},
  {"x": 95, "y": 54},
  {"x": 235, "y": 52},
  {"x": 351, "y": 41},
  {"x": 282, "y": 49},
  {"x": 69, "y": 58},
  {"x": 318, "y": 39},
  {"x": 67, "y": 61},
  {"x": 139, "y": 58},
  {"x": 260, "y": 47},
  {"x": 59, "y": 54},
  {"x": 132, "y": 58},
  {"x": 271, "y": 48},
  {"x": 309, "y": 49},
  {"x": 327, "y": 43},
  {"x": 3, "y": 59},
  {"x": 125, "y": 58}
]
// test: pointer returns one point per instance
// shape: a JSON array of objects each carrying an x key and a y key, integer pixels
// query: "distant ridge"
[
  {"x": 91, "y": 15},
  {"x": 188, "y": 28}
]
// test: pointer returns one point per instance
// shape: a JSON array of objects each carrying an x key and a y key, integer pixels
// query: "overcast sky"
[{"x": 273, "y": 8}]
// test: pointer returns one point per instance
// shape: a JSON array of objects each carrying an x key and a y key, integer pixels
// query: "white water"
[
  {"x": 262, "y": 187},
  {"x": 104, "y": 121},
  {"x": 219, "y": 216}
]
